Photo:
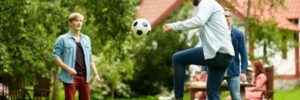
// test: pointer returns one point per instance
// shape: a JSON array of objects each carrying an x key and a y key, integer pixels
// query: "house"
[
  {"x": 286, "y": 63},
  {"x": 287, "y": 17},
  {"x": 292, "y": 13}
]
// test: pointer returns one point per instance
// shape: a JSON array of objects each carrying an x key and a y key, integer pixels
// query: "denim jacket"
[
  {"x": 239, "y": 62},
  {"x": 65, "y": 48}
]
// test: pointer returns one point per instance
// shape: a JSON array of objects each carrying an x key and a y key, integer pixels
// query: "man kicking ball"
[{"x": 216, "y": 51}]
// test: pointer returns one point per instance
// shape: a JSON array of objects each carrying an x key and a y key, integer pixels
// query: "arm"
[
  {"x": 56, "y": 55},
  {"x": 205, "y": 10},
  {"x": 70, "y": 70},
  {"x": 260, "y": 82},
  {"x": 243, "y": 52},
  {"x": 93, "y": 67}
]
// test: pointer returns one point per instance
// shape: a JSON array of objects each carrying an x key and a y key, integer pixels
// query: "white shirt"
[{"x": 214, "y": 31}]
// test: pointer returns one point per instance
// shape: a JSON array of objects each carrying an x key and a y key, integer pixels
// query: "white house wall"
[{"x": 284, "y": 66}]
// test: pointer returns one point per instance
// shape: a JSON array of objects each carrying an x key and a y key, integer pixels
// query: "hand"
[
  {"x": 71, "y": 71},
  {"x": 97, "y": 78},
  {"x": 243, "y": 77},
  {"x": 203, "y": 75},
  {"x": 167, "y": 27}
]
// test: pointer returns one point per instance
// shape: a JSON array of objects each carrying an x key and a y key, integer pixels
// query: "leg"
[
  {"x": 192, "y": 94},
  {"x": 180, "y": 60},
  {"x": 234, "y": 87},
  {"x": 214, "y": 81},
  {"x": 200, "y": 95},
  {"x": 70, "y": 90},
  {"x": 84, "y": 89},
  {"x": 216, "y": 69}
]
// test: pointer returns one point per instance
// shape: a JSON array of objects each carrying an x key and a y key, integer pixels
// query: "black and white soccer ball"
[{"x": 141, "y": 27}]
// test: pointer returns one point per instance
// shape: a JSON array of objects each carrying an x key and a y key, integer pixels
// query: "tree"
[
  {"x": 30, "y": 27},
  {"x": 267, "y": 34},
  {"x": 26, "y": 36},
  {"x": 270, "y": 37}
]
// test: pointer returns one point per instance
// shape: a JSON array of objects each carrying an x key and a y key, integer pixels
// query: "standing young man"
[
  {"x": 237, "y": 69},
  {"x": 73, "y": 53},
  {"x": 216, "y": 51}
]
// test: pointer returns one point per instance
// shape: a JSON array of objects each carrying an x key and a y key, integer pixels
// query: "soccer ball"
[{"x": 141, "y": 27}]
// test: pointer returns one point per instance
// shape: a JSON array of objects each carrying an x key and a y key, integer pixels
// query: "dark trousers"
[
  {"x": 216, "y": 69},
  {"x": 79, "y": 84}
]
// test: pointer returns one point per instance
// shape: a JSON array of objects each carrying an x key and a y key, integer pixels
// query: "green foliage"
[
  {"x": 29, "y": 28},
  {"x": 108, "y": 25},
  {"x": 114, "y": 73},
  {"x": 269, "y": 36},
  {"x": 26, "y": 35}
]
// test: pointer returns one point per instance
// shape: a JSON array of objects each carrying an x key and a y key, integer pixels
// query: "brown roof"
[
  {"x": 291, "y": 9},
  {"x": 155, "y": 11},
  {"x": 264, "y": 13}
]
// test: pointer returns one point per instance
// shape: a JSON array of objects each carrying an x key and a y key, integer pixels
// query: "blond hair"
[{"x": 74, "y": 16}]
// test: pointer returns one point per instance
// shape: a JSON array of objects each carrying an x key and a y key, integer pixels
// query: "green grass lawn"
[
  {"x": 288, "y": 94},
  {"x": 223, "y": 95},
  {"x": 278, "y": 95}
]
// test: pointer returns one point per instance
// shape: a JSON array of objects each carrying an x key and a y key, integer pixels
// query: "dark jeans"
[
  {"x": 79, "y": 84},
  {"x": 216, "y": 70}
]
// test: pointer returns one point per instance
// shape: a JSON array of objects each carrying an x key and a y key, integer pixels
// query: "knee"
[{"x": 175, "y": 57}]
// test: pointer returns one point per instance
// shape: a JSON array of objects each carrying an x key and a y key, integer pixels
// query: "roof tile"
[
  {"x": 263, "y": 13},
  {"x": 155, "y": 11},
  {"x": 291, "y": 9}
]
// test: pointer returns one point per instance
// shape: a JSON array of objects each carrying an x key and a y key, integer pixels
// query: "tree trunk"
[
  {"x": 247, "y": 31},
  {"x": 112, "y": 91},
  {"x": 265, "y": 49},
  {"x": 56, "y": 79}
]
